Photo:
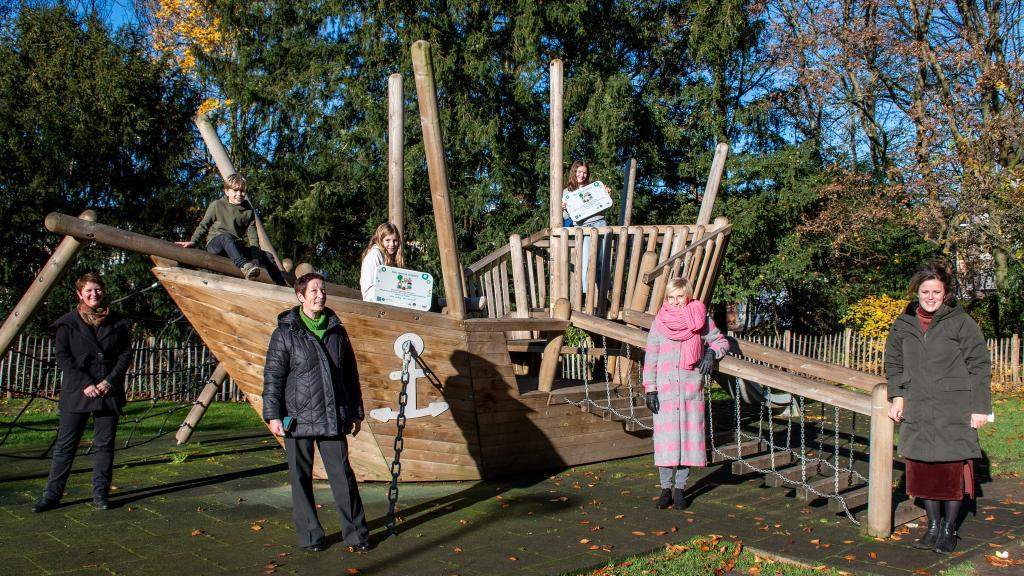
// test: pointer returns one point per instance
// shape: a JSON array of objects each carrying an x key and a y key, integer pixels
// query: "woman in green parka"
[{"x": 938, "y": 369}]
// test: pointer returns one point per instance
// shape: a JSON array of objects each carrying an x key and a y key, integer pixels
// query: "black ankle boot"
[
  {"x": 930, "y": 536},
  {"x": 678, "y": 499},
  {"x": 947, "y": 538},
  {"x": 665, "y": 499}
]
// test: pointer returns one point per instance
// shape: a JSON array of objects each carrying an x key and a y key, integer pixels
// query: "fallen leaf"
[
  {"x": 513, "y": 558},
  {"x": 584, "y": 540},
  {"x": 283, "y": 554},
  {"x": 922, "y": 572},
  {"x": 849, "y": 557},
  {"x": 255, "y": 527},
  {"x": 990, "y": 517},
  {"x": 673, "y": 529},
  {"x": 463, "y": 521},
  {"x": 659, "y": 532},
  {"x": 638, "y": 533},
  {"x": 351, "y": 570},
  {"x": 754, "y": 571},
  {"x": 873, "y": 555},
  {"x": 816, "y": 542},
  {"x": 595, "y": 529},
  {"x": 457, "y": 550},
  {"x": 620, "y": 516},
  {"x": 198, "y": 532}
]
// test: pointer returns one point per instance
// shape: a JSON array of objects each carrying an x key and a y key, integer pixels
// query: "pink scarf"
[{"x": 684, "y": 324}]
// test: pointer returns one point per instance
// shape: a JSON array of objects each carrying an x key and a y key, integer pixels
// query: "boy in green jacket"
[{"x": 226, "y": 220}]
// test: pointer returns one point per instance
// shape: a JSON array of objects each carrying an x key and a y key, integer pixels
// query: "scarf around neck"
[
  {"x": 92, "y": 316},
  {"x": 684, "y": 324}
]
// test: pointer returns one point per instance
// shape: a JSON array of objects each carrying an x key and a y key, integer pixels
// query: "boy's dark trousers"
[
  {"x": 334, "y": 452},
  {"x": 233, "y": 248},
  {"x": 69, "y": 435}
]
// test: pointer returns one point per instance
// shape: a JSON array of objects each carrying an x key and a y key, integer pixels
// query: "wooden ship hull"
[{"x": 495, "y": 424}]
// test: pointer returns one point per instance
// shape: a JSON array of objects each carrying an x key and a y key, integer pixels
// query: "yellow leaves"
[
  {"x": 872, "y": 316},
  {"x": 183, "y": 28}
]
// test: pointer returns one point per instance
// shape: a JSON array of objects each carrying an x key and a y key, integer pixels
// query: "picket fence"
[
  {"x": 164, "y": 369},
  {"x": 850, "y": 349}
]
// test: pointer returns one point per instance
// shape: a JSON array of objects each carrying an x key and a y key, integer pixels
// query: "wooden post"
[
  {"x": 847, "y": 346},
  {"x": 642, "y": 290},
  {"x": 553, "y": 349},
  {"x": 629, "y": 180},
  {"x": 206, "y": 396},
  {"x": 64, "y": 254},
  {"x": 226, "y": 168},
  {"x": 556, "y": 128},
  {"x": 880, "y": 472},
  {"x": 438, "y": 172},
  {"x": 1015, "y": 359},
  {"x": 714, "y": 181},
  {"x": 396, "y": 160},
  {"x": 787, "y": 341},
  {"x": 519, "y": 276}
]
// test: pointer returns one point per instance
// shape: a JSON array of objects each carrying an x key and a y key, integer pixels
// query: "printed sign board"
[
  {"x": 403, "y": 288},
  {"x": 586, "y": 201}
]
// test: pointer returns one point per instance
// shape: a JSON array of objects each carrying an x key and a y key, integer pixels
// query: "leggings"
[{"x": 681, "y": 473}]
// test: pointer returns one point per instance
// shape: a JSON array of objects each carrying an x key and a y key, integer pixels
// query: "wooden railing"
[{"x": 627, "y": 267}]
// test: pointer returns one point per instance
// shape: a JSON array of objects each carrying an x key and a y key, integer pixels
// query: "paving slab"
[{"x": 222, "y": 506}]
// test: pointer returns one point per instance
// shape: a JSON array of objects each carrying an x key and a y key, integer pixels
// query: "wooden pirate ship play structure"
[{"x": 484, "y": 395}]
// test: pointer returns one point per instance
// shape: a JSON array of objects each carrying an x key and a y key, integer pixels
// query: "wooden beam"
[
  {"x": 438, "y": 171},
  {"x": 707, "y": 204},
  {"x": 396, "y": 150},
  {"x": 557, "y": 130},
  {"x": 629, "y": 184},
  {"x": 700, "y": 242},
  {"x": 880, "y": 467},
  {"x": 206, "y": 396},
  {"x": 549, "y": 360},
  {"x": 64, "y": 254},
  {"x": 509, "y": 324}
]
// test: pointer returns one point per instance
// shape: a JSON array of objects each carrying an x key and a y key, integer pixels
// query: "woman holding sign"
[
  {"x": 384, "y": 249},
  {"x": 579, "y": 177}
]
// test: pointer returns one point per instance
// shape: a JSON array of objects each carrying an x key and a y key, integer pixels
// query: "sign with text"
[
  {"x": 403, "y": 288},
  {"x": 586, "y": 201}
]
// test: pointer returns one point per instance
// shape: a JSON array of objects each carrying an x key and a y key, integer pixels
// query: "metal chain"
[{"x": 396, "y": 463}]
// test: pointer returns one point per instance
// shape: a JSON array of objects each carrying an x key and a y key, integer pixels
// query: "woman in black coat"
[
  {"x": 93, "y": 346},
  {"x": 938, "y": 369}
]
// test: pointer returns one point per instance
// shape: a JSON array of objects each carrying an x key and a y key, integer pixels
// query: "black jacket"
[
  {"x": 943, "y": 376},
  {"x": 86, "y": 356},
  {"x": 314, "y": 381}
]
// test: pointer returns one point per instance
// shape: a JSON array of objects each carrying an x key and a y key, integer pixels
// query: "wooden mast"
[
  {"x": 556, "y": 128},
  {"x": 437, "y": 169},
  {"x": 396, "y": 160},
  {"x": 226, "y": 168},
  {"x": 64, "y": 254},
  {"x": 714, "y": 181},
  {"x": 629, "y": 183}
]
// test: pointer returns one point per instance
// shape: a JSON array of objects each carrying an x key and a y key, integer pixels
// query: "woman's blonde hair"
[
  {"x": 384, "y": 230},
  {"x": 676, "y": 284}
]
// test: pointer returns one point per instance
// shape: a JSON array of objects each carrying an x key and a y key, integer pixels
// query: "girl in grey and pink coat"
[{"x": 682, "y": 347}]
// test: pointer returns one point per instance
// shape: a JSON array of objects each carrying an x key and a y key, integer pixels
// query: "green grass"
[
  {"x": 1003, "y": 440},
  {"x": 153, "y": 417},
  {"x": 701, "y": 556},
  {"x": 964, "y": 569}
]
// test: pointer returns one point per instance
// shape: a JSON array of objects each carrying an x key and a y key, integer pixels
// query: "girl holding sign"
[
  {"x": 384, "y": 249},
  {"x": 579, "y": 175}
]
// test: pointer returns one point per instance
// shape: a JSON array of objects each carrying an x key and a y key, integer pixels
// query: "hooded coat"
[
  {"x": 314, "y": 381},
  {"x": 943, "y": 376},
  {"x": 89, "y": 356}
]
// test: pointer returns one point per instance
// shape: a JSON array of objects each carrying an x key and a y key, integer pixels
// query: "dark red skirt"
[{"x": 940, "y": 480}]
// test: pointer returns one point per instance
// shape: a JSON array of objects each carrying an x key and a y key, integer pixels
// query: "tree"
[{"x": 88, "y": 119}]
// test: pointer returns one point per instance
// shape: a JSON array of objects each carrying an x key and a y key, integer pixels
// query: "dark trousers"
[
  {"x": 69, "y": 435},
  {"x": 233, "y": 248},
  {"x": 334, "y": 452}
]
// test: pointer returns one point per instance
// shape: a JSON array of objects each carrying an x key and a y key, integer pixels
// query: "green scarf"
[{"x": 318, "y": 327}]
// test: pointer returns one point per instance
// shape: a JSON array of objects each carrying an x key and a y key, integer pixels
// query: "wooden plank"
[
  {"x": 763, "y": 461},
  {"x": 618, "y": 272},
  {"x": 658, "y": 293},
  {"x": 576, "y": 276}
]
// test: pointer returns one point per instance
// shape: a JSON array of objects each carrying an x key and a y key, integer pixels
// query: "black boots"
[
  {"x": 930, "y": 537},
  {"x": 44, "y": 504},
  {"x": 947, "y": 537},
  {"x": 678, "y": 499},
  {"x": 665, "y": 499}
]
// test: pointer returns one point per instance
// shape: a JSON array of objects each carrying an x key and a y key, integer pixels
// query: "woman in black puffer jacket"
[
  {"x": 93, "y": 346},
  {"x": 938, "y": 368}
]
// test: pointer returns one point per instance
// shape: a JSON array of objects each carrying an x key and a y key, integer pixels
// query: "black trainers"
[
  {"x": 250, "y": 270},
  {"x": 314, "y": 547},
  {"x": 100, "y": 502},
  {"x": 679, "y": 500},
  {"x": 664, "y": 499},
  {"x": 44, "y": 504}
]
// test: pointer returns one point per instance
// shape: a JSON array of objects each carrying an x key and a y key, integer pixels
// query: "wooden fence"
[
  {"x": 165, "y": 370},
  {"x": 850, "y": 349}
]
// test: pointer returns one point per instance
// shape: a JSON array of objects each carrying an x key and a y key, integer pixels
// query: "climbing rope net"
[{"x": 804, "y": 463}]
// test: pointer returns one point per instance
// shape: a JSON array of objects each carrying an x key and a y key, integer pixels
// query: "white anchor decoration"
[{"x": 415, "y": 372}]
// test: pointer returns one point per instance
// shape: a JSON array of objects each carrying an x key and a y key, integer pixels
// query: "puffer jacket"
[
  {"x": 314, "y": 381},
  {"x": 87, "y": 356},
  {"x": 943, "y": 376}
]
